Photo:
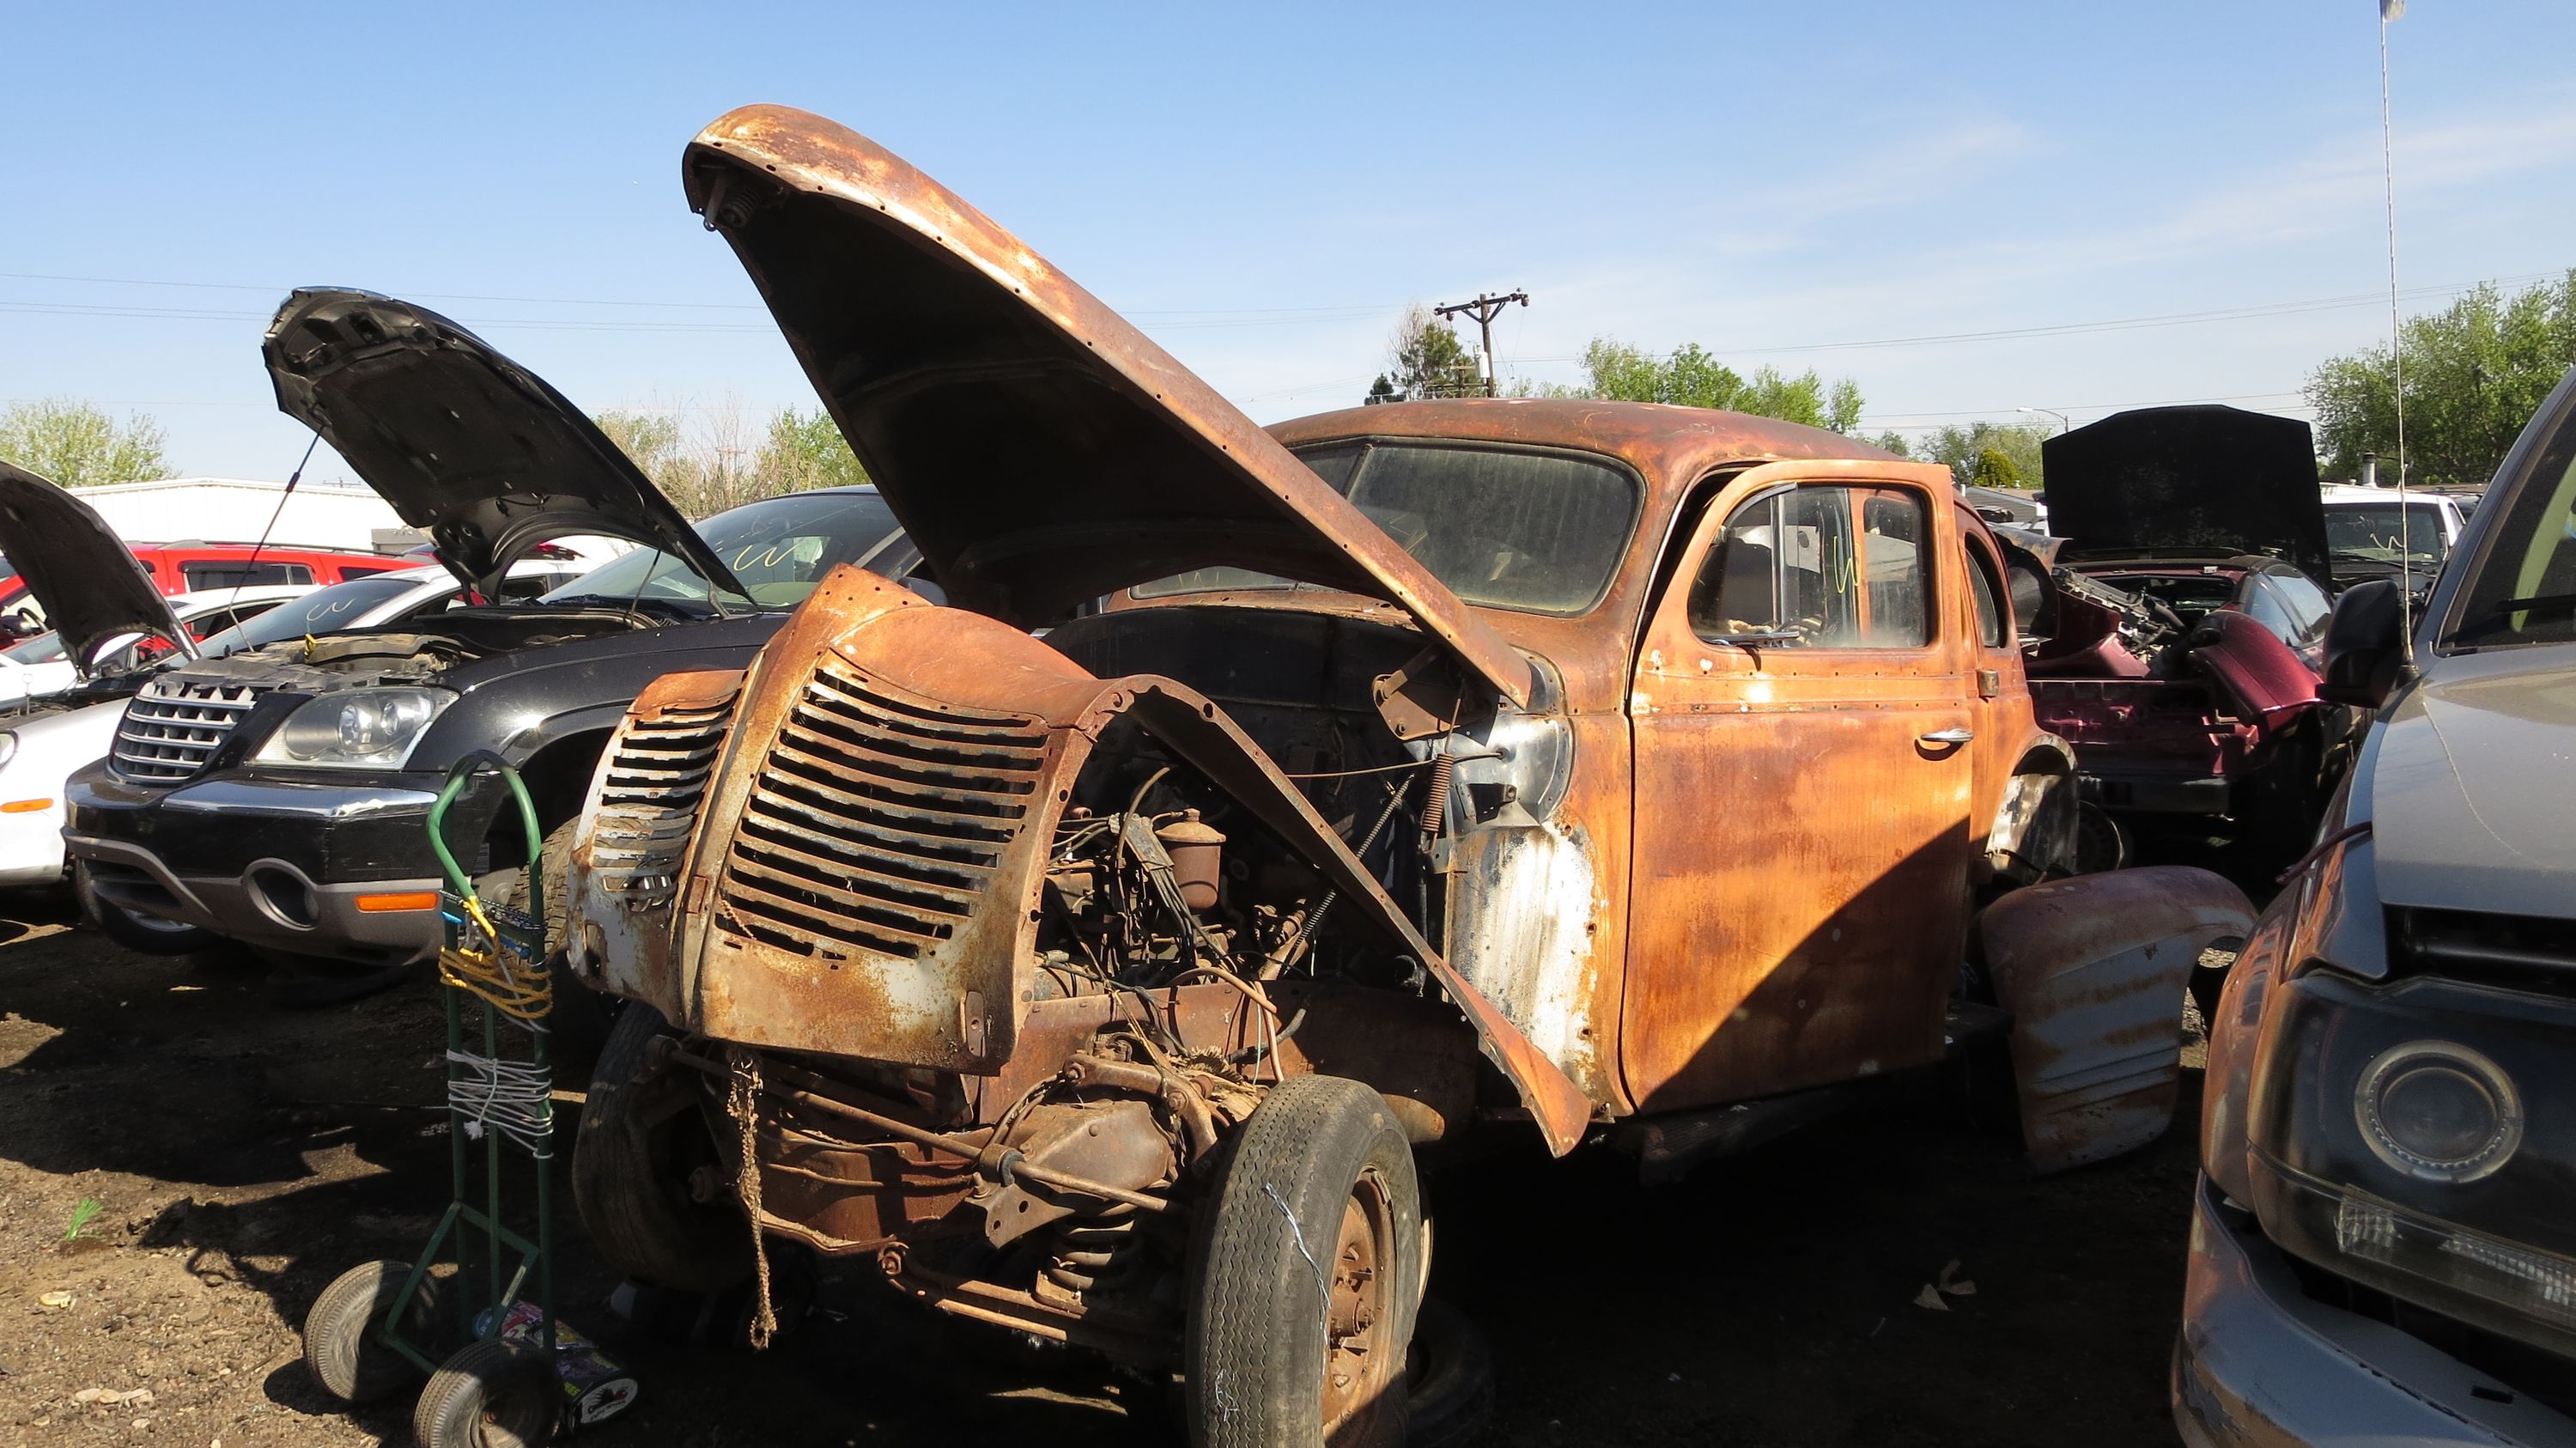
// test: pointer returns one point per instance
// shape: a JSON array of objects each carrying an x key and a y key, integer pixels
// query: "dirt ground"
[{"x": 241, "y": 1156}]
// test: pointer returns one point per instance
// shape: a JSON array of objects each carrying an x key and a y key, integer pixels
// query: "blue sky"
[{"x": 1266, "y": 191}]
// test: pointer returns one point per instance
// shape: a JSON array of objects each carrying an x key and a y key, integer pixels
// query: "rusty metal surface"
[
  {"x": 1038, "y": 448},
  {"x": 2093, "y": 970},
  {"x": 781, "y": 948},
  {"x": 1802, "y": 845},
  {"x": 631, "y": 842}
]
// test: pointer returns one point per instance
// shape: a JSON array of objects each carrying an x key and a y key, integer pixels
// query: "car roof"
[{"x": 1673, "y": 447}]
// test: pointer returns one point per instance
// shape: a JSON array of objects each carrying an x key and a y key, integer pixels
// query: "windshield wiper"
[{"x": 2493, "y": 618}]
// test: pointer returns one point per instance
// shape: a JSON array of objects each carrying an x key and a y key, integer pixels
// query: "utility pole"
[{"x": 1484, "y": 309}]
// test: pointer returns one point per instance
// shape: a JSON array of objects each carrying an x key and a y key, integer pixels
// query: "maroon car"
[{"x": 2176, "y": 639}]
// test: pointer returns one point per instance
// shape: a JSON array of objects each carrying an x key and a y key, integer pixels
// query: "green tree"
[
  {"x": 1429, "y": 361},
  {"x": 720, "y": 459},
  {"x": 1994, "y": 469},
  {"x": 1963, "y": 450},
  {"x": 806, "y": 450},
  {"x": 652, "y": 441},
  {"x": 2475, "y": 373},
  {"x": 1691, "y": 376},
  {"x": 1894, "y": 443},
  {"x": 77, "y": 445}
]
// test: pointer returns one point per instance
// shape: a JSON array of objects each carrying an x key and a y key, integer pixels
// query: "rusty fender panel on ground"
[
  {"x": 2093, "y": 970},
  {"x": 878, "y": 732}
]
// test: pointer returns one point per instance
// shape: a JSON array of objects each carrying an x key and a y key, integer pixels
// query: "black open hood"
[
  {"x": 2195, "y": 479},
  {"x": 88, "y": 581},
  {"x": 466, "y": 444}
]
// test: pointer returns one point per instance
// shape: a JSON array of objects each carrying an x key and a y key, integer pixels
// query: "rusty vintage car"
[{"x": 1093, "y": 952}]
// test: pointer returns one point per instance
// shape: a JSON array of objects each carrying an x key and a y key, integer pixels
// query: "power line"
[
  {"x": 1243, "y": 316},
  {"x": 2116, "y": 324}
]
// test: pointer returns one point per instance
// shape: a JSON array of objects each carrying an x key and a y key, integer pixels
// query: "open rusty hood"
[
  {"x": 1040, "y": 450},
  {"x": 89, "y": 582}
]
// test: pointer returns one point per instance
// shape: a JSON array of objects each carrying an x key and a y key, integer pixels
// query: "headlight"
[
  {"x": 357, "y": 729},
  {"x": 2438, "y": 1111}
]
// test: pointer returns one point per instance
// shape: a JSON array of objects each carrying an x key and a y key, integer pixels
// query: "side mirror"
[{"x": 2365, "y": 642}]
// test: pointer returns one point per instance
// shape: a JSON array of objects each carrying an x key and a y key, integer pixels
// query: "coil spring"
[
  {"x": 1093, "y": 1253},
  {"x": 1435, "y": 802}
]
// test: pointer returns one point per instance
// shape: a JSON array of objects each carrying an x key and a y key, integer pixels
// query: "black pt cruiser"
[{"x": 278, "y": 797}]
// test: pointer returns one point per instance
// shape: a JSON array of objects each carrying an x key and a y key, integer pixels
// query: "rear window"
[{"x": 1532, "y": 530}]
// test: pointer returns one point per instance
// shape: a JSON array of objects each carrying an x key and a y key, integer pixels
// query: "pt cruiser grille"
[
  {"x": 175, "y": 725},
  {"x": 648, "y": 800},
  {"x": 876, "y": 820}
]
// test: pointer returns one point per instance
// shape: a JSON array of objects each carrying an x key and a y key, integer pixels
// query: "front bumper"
[
  {"x": 272, "y": 863},
  {"x": 2259, "y": 1364}
]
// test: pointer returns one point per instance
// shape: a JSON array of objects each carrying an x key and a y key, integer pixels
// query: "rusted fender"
[
  {"x": 2093, "y": 971},
  {"x": 957, "y": 1001}
]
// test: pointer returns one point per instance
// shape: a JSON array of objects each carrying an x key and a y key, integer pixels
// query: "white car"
[
  {"x": 42, "y": 666},
  {"x": 89, "y": 584}
]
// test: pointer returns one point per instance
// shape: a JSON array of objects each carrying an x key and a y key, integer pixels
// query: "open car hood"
[
  {"x": 1039, "y": 449},
  {"x": 89, "y": 582},
  {"x": 465, "y": 443},
  {"x": 2189, "y": 479}
]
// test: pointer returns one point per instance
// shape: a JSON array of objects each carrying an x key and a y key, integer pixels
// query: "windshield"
[
  {"x": 2524, "y": 590},
  {"x": 2371, "y": 534},
  {"x": 44, "y": 648},
  {"x": 779, "y": 547},
  {"x": 324, "y": 610},
  {"x": 1539, "y": 532}
]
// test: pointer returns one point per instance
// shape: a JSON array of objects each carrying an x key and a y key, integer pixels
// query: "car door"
[{"x": 1801, "y": 725}]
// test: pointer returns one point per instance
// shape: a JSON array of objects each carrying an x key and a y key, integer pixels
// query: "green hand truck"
[{"x": 382, "y": 1325}]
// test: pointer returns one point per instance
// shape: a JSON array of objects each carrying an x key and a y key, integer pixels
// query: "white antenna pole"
[{"x": 2390, "y": 10}]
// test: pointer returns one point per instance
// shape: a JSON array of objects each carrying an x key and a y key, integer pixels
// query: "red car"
[
  {"x": 193, "y": 567},
  {"x": 2177, "y": 639}
]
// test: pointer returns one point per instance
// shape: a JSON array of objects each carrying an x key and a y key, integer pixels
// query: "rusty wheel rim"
[{"x": 1356, "y": 1376}]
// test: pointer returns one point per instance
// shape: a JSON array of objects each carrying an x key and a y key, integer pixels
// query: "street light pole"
[{"x": 2062, "y": 423}]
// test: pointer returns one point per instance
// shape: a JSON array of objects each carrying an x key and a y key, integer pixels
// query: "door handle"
[{"x": 1947, "y": 736}]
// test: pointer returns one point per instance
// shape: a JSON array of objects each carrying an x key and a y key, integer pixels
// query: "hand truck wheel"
[
  {"x": 342, "y": 1347},
  {"x": 492, "y": 1394}
]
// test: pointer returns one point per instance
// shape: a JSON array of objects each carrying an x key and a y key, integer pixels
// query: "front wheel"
[
  {"x": 146, "y": 933},
  {"x": 638, "y": 1165},
  {"x": 1306, "y": 1275}
]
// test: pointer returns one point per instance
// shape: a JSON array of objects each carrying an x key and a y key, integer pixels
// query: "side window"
[
  {"x": 1784, "y": 573},
  {"x": 1893, "y": 535},
  {"x": 1988, "y": 593},
  {"x": 237, "y": 575},
  {"x": 2307, "y": 605},
  {"x": 2263, "y": 603}
]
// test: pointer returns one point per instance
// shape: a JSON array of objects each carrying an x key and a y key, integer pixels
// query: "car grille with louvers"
[
  {"x": 876, "y": 820},
  {"x": 657, "y": 775},
  {"x": 175, "y": 725}
]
